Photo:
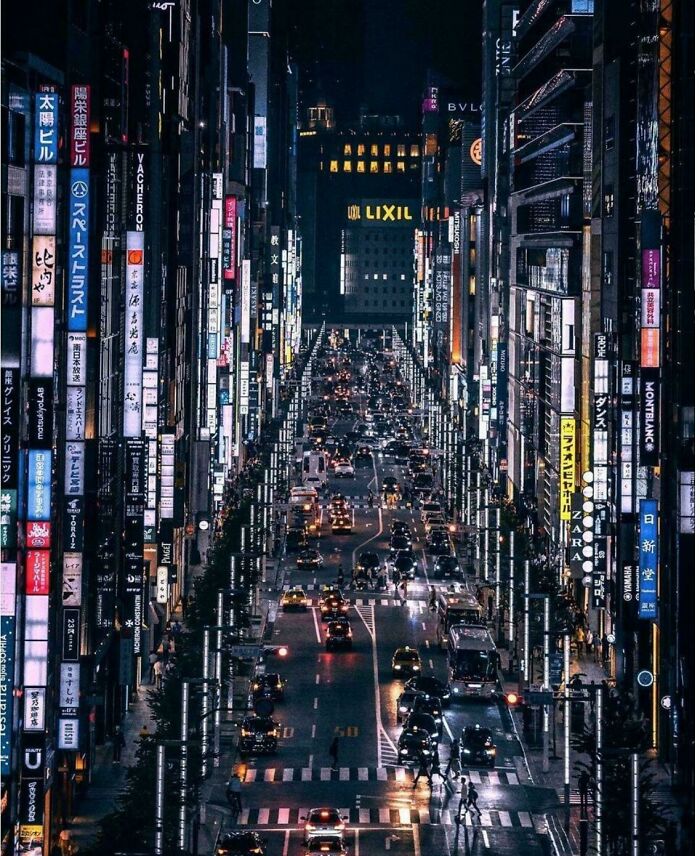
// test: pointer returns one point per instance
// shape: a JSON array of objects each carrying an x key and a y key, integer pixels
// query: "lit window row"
[
  {"x": 386, "y": 150},
  {"x": 361, "y": 166}
]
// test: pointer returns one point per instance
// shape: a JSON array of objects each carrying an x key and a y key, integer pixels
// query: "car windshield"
[
  {"x": 258, "y": 724},
  {"x": 409, "y": 656},
  {"x": 324, "y": 816},
  {"x": 476, "y": 736},
  {"x": 473, "y": 664}
]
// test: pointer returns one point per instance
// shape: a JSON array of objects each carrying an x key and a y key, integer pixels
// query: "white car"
[
  {"x": 324, "y": 823},
  {"x": 344, "y": 469}
]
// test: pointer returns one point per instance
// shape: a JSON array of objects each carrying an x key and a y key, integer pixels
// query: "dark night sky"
[{"x": 377, "y": 52}]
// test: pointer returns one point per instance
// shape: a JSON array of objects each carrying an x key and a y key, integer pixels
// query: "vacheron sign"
[{"x": 378, "y": 211}]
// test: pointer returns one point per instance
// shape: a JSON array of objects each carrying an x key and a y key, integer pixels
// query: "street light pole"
[{"x": 598, "y": 792}]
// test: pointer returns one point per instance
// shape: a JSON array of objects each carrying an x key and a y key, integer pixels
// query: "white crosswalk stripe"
[
  {"x": 389, "y": 772},
  {"x": 401, "y": 816}
]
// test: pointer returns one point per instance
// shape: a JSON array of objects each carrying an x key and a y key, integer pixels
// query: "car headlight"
[
  {"x": 491, "y": 751},
  {"x": 416, "y": 668},
  {"x": 404, "y": 751},
  {"x": 397, "y": 667}
]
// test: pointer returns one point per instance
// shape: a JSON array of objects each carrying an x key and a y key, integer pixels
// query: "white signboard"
[
  {"x": 162, "y": 584},
  {"x": 68, "y": 733},
  {"x": 34, "y": 708},
  {"x": 133, "y": 334},
  {"x": 245, "y": 301},
  {"x": 69, "y": 696},
  {"x": 77, "y": 359},
  {"x": 44, "y": 199}
]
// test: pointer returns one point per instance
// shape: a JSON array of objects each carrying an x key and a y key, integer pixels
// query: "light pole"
[
  {"x": 598, "y": 792},
  {"x": 545, "y": 686}
]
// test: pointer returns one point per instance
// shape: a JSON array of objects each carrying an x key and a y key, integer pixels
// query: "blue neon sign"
[
  {"x": 648, "y": 557},
  {"x": 39, "y": 487},
  {"x": 46, "y": 127},
  {"x": 78, "y": 261}
]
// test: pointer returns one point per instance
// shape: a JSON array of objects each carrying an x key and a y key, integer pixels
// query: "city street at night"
[{"x": 347, "y": 478}]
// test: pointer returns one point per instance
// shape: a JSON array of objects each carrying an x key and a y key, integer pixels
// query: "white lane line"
[
  {"x": 313, "y": 730},
  {"x": 364, "y": 815},
  {"x": 316, "y": 703},
  {"x": 288, "y": 774},
  {"x": 269, "y": 774},
  {"x": 504, "y": 817},
  {"x": 318, "y": 632},
  {"x": 325, "y": 774},
  {"x": 487, "y": 843},
  {"x": 427, "y": 643},
  {"x": 306, "y": 771},
  {"x": 416, "y": 840},
  {"x": 512, "y": 778},
  {"x": 318, "y": 680},
  {"x": 283, "y": 816},
  {"x": 384, "y": 816},
  {"x": 447, "y": 728},
  {"x": 430, "y": 663},
  {"x": 423, "y": 625},
  {"x": 405, "y": 816},
  {"x": 357, "y": 842},
  {"x": 285, "y": 847},
  {"x": 263, "y": 816}
]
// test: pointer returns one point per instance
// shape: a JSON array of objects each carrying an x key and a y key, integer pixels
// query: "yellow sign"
[
  {"x": 567, "y": 465},
  {"x": 475, "y": 151},
  {"x": 383, "y": 212}
]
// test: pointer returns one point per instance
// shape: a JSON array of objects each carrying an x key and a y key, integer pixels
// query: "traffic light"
[{"x": 512, "y": 699}]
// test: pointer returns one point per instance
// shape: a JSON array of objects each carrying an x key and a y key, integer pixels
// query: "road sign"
[
  {"x": 645, "y": 678},
  {"x": 538, "y": 698},
  {"x": 244, "y": 652}
]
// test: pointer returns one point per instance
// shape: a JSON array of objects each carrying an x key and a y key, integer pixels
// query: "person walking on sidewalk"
[
  {"x": 580, "y": 639},
  {"x": 432, "y": 600},
  {"x": 152, "y": 660},
  {"x": 423, "y": 773},
  {"x": 472, "y": 798},
  {"x": 453, "y": 764},
  {"x": 333, "y": 751},
  {"x": 463, "y": 799},
  {"x": 584, "y": 783},
  {"x": 233, "y": 793},
  {"x": 404, "y": 592},
  {"x": 589, "y": 641},
  {"x": 158, "y": 672},
  {"x": 597, "y": 648},
  {"x": 118, "y": 743}
]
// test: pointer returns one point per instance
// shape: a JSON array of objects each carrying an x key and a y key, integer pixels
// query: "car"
[
  {"x": 430, "y": 705},
  {"x": 259, "y": 735},
  {"x": 390, "y": 487},
  {"x": 415, "y": 746},
  {"x": 309, "y": 560},
  {"x": 476, "y": 746},
  {"x": 438, "y": 544},
  {"x": 399, "y": 542},
  {"x": 405, "y": 703},
  {"x": 333, "y": 605},
  {"x": 405, "y": 564},
  {"x": 324, "y": 823},
  {"x": 338, "y": 501},
  {"x": 364, "y": 458},
  {"x": 367, "y": 564},
  {"x": 400, "y": 527},
  {"x": 294, "y": 598},
  {"x": 321, "y": 846},
  {"x": 241, "y": 843},
  {"x": 419, "y": 720},
  {"x": 429, "y": 508},
  {"x": 268, "y": 686},
  {"x": 344, "y": 470},
  {"x": 447, "y": 567},
  {"x": 406, "y": 661},
  {"x": 297, "y": 539},
  {"x": 338, "y": 634},
  {"x": 341, "y": 523},
  {"x": 345, "y": 410},
  {"x": 430, "y": 685}
]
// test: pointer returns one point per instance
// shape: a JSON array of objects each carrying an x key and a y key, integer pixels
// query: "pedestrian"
[
  {"x": 597, "y": 648},
  {"x": 56, "y": 847},
  {"x": 171, "y": 645},
  {"x": 463, "y": 799},
  {"x": 370, "y": 499},
  {"x": 152, "y": 660},
  {"x": 605, "y": 648},
  {"x": 584, "y": 781},
  {"x": 580, "y": 638},
  {"x": 404, "y": 592},
  {"x": 472, "y": 798},
  {"x": 158, "y": 673},
  {"x": 333, "y": 751},
  {"x": 589, "y": 641},
  {"x": 423, "y": 773},
  {"x": 144, "y": 733},
  {"x": 432, "y": 600},
  {"x": 177, "y": 628},
  {"x": 435, "y": 767},
  {"x": 118, "y": 743},
  {"x": 68, "y": 847},
  {"x": 233, "y": 792},
  {"x": 453, "y": 764}
]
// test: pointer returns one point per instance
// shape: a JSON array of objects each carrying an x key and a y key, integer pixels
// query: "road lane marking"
[
  {"x": 263, "y": 816},
  {"x": 447, "y": 728},
  {"x": 504, "y": 817},
  {"x": 427, "y": 643},
  {"x": 283, "y": 816},
  {"x": 430, "y": 663},
  {"x": 306, "y": 771},
  {"x": 384, "y": 816},
  {"x": 364, "y": 815},
  {"x": 243, "y": 817},
  {"x": 494, "y": 778},
  {"x": 316, "y": 703},
  {"x": 357, "y": 842},
  {"x": 405, "y": 816},
  {"x": 269, "y": 775},
  {"x": 400, "y": 774},
  {"x": 250, "y": 775},
  {"x": 381, "y": 774},
  {"x": 344, "y": 775},
  {"x": 325, "y": 774},
  {"x": 285, "y": 848},
  {"x": 485, "y": 819},
  {"x": 423, "y": 625},
  {"x": 313, "y": 730},
  {"x": 288, "y": 774},
  {"x": 318, "y": 632},
  {"x": 363, "y": 774},
  {"x": 416, "y": 840},
  {"x": 512, "y": 778},
  {"x": 487, "y": 843},
  {"x": 318, "y": 680}
]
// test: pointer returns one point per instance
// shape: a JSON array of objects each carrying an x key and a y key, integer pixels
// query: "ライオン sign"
[
  {"x": 567, "y": 465},
  {"x": 384, "y": 212}
]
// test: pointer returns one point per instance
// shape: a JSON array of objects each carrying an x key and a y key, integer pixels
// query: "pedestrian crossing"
[
  {"x": 367, "y": 774},
  {"x": 391, "y": 817}
]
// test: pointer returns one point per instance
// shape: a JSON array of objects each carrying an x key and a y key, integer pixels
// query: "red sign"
[
  {"x": 80, "y": 125},
  {"x": 38, "y": 535},
  {"x": 38, "y": 568},
  {"x": 229, "y": 259},
  {"x": 650, "y": 348}
]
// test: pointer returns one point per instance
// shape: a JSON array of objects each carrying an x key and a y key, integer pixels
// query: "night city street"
[{"x": 347, "y": 492}]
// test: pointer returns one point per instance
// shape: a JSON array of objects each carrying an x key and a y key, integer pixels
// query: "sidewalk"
[{"x": 553, "y": 778}]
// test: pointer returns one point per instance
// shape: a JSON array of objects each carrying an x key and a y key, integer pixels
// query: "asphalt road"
[{"x": 354, "y": 694}]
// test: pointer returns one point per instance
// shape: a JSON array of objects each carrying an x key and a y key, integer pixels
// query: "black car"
[
  {"x": 241, "y": 844},
  {"x": 447, "y": 567},
  {"x": 258, "y": 735},
  {"x": 333, "y": 606},
  {"x": 415, "y": 746},
  {"x": 405, "y": 704},
  {"x": 431, "y": 686},
  {"x": 310, "y": 560},
  {"x": 390, "y": 485},
  {"x": 400, "y": 527},
  {"x": 418, "y": 721},
  {"x": 268, "y": 686},
  {"x": 439, "y": 545},
  {"x": 432, "y": 706},
  {"x": 476, "y": 746},
  {"x": 368, "y": 564},
  {"x": 338, "y": 634},
  {"x": 297, "y": 539},
  {"x": 405, "y": 564},
  {"x": 399, "y": 542}
]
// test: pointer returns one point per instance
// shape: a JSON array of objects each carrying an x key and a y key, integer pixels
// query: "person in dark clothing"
[
  {"x": 472, "y": 798},
  {"x": 233, "y": 792},
  {"x": 333, "y": 751},
  {"x": 453, "y": 764},
  {"x": 118, "y": 743},
  {"x": 435, "y": 767},
  {"x": 584, "y": 782},
  {"x": 423, "y": 773}
]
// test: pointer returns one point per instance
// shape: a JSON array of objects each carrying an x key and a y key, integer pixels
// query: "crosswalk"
[
  {"x": 367, "y": 774},
  {"x": 391, "y": 817}
]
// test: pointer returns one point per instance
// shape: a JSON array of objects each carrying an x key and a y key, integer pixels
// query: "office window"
[
  {"x": 374, "y": 150},
  {"x": 347, "y": 149},
  {"x": 360, "y": 166},
  {"x": 347, "y": 166},
  {"x": 609, "y": 200},
  {"x": 401, "y": 151},
  {"x": 374, "y": 166},
  {"x": 387, "y": 166},
  {"x": 415, "y": 151},
  {"x": 376, "y": 276},
  {"x": 360, "y": 149},
  {"x": 334, "y": 166},
  {"x": 400, "y": 166},
  {"x": 387, "y": 150}
]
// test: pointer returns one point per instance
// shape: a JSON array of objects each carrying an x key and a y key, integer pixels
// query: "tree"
[{"x": 624, "y": 733}]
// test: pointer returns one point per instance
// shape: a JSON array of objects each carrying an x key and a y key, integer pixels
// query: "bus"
[
  {"x": 473, "y": 662},
  {"x": 314, "y": 470},
  {"x": 459, "y": 607},
  {"x": 304, "y": 501}
]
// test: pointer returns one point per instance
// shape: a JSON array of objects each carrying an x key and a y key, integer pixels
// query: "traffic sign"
[
  {"x": 645, "y": 678},
  {"x": 538, "y": 698}
]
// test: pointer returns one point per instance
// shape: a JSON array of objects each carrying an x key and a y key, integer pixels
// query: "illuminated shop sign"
[
  {"x": 80, "y": 126},
  {"x": 384, "y": 212},
  {"x": 133, "y": 334},
  {"x": 44, "y": 213},
  {"x": 39, "y": 485},
  {"x": 78, "y": 262},
  {"x": 46, "y": 127},
  {"x": 567, "y": 465},
  {"x": 43, "y": 270},
  {"x": 648, "y": 557}
]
